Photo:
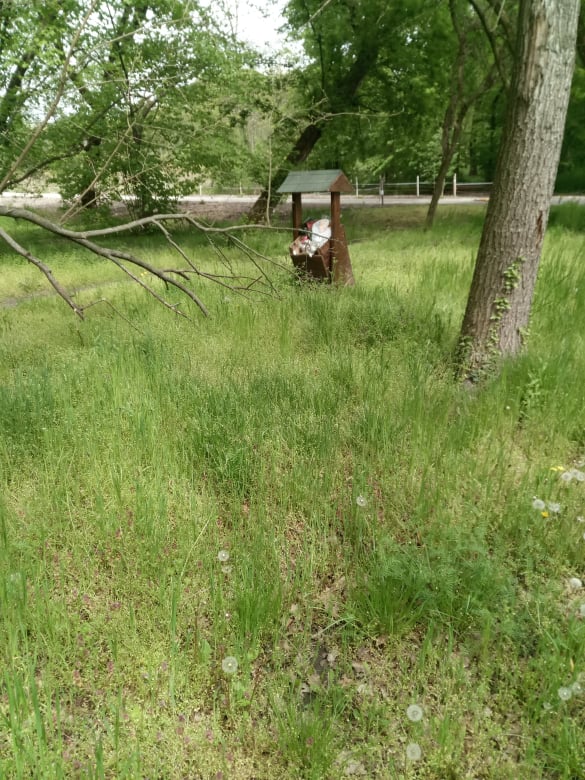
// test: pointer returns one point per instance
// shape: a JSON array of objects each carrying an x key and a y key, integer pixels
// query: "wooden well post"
[{"x": 331, "y": 262}]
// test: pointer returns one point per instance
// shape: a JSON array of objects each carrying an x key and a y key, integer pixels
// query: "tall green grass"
[{"x": 131, "y": 456}]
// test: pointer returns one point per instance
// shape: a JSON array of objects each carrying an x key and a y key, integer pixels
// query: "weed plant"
[{"x": 242, "y": 547}]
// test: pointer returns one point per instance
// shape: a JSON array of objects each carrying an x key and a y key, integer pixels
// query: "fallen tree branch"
[
  {"x": 172, "y": 278},
  {"x": 44, "y": 269}
]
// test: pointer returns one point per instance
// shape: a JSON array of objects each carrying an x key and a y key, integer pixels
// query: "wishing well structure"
[{"x": 319, "y": 248}]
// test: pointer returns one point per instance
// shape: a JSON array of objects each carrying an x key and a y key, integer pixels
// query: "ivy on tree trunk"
[{"x": 498, "y": 308}]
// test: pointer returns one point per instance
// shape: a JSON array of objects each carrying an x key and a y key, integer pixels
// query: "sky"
[{"x": 257, "y": 21}]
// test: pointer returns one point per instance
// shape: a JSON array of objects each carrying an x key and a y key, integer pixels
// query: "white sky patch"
[{"x": 254, "y": 21}]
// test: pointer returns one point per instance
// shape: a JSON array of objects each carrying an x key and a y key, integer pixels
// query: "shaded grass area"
[{"x": 383, "y": 545}]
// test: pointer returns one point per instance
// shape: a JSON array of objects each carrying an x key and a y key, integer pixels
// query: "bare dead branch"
[
  {"x": 238, "y": 283},
  {"x": 44, "y": 269}
]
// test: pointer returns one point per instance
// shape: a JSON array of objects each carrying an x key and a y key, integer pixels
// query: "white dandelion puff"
[
  {"x": 537, "y": 503},
  {"x": 414, "y": 713},
  {"x": 361, "y": 501},
  {"x": 413, "y": 751},
  {"x": 223, "y": 556},
  {"x": 229, "y": 664},
  {"x": 565, "y": 693}
]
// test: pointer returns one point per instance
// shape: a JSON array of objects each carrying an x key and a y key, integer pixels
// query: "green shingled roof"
[{"x": 316, "y": 181}]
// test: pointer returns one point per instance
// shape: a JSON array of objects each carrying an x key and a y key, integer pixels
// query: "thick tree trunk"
[
  {"x": 581, "y": 35},
  {"x": 501, "y": 292}
]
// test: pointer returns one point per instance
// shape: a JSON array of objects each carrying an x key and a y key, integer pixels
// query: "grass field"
[{"x": 245, "y": 546}]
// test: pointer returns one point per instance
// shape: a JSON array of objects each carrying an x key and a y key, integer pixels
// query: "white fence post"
[
  {"x": 454, "y": 185},
  {"x": 418, "y": 186},
  {"x": 357, "y": 186}
]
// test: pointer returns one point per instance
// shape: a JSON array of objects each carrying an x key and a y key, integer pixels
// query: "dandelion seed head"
[
  {"x": 361, "y": 501},
  {"x": 547, "y": 706},
  {"x": 229, "y": 664},
  {"x": 413, "y": 751},
  {"x": 554, "y": 507},
  {"x": 567, "y": 476},
  {"x": 414, "y": 713},
  {"x": 575, "y": 583},
  {"x": 579, "y": 475},
  {"x": 581, "y": 519},
  {"x": 576, "y": 688},
  {"x": 223, "y": 556},
  {"x": 565, "y": 693},
  {"x": 538, "y": 503}
]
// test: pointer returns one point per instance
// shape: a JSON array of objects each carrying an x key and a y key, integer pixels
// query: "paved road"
[{"x": 53, "y": 200}]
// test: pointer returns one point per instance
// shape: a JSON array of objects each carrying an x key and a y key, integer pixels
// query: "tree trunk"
[
  {"x": 344, "y": 94},
  {"x": 451, "y": 137},
  {"x": 581, "y": 35},
  {"x": 269, "y": 198},
  {"x": 498, "y": 307}
]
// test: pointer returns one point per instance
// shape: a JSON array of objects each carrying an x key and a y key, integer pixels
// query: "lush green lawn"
[{"x": 383, "y": 545}]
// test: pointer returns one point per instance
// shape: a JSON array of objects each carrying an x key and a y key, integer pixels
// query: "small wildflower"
[
  {"x": 576, "y": 688},
  {"x": 223, "y": 556},
  {"x": 413, "y": 751},
  {"x": 361, "y": 501},
  {"x": 414, "y": 713},
  {"x": 575, "y": 583},
  {"x": 229, "y": 664},
  {"x": 557, "y": 468},
  {"x": 554, "y": 507},
  {"x": 538, "y": 504},
  {"x": 544, "y": 514},
  {"x": 565, "y": 693}
]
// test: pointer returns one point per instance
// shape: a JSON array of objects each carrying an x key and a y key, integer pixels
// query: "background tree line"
[{"x": 149, "y": 99}]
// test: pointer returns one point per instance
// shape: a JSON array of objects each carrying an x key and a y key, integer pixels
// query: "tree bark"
[
  {"x": 344, "y": 94},
  {"x": 581, "y": 35},
  {"x": 457, "y": 108},
  {"x": 498, "y": 308},
  {"x": 269, "y": 198},
  {"x": 451, "y": 136}
]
